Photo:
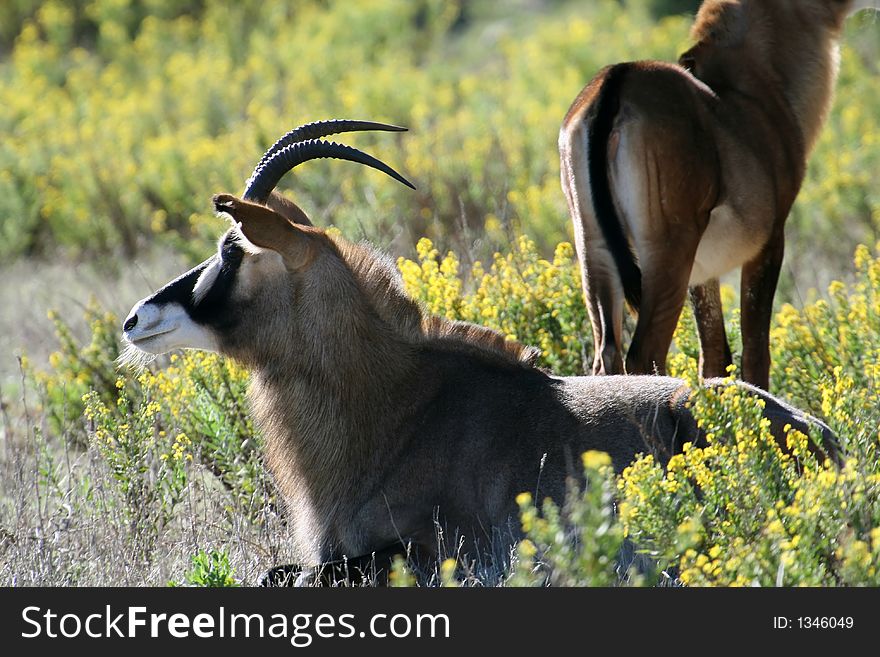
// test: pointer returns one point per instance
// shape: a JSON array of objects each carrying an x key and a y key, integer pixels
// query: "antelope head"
[{"x": 248, "y": 285}]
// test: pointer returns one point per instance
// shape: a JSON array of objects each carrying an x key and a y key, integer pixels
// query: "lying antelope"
[
  {"x": 381, "y": 421},
  {"x": 678, "y": 174}
]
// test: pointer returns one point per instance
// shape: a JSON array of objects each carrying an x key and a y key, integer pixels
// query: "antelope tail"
[{"x": 601, "y": 123}]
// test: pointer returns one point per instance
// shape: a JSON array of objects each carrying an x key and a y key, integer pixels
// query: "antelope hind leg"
[
  {"x": 664, "y": 291},
  {"x": 603, "y": 289},
  {"x": 759, "y": 279},
  {"x": 715, "y": 354},
  {"x": 604, "y": 296}
]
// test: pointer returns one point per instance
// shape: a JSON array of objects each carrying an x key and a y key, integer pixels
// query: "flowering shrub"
[
  {"x": 203, "y": 396},
  {"x": 122, "y": 117},
  {"x": 149, "y": 427},
  {"x": 575, "y": 545},
  {"x": 149, "y": 468},
  {"x": 527, "y": 298},
  {"x": 740, "y": 510},
  {"x": 833, "y": 341},
  {"x": 77, "y": 369}
]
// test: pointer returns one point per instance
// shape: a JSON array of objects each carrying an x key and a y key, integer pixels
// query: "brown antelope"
[
  {"x": 381, "y": 421},
  {"x": 677, "y": 174}
]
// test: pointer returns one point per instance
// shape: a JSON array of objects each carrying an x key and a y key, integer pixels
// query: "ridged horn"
[
  {"x": 266, "y": 176},
  {"x": 318, "y": 129}
]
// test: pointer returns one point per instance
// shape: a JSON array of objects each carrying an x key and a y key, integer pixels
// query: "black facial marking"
[
  {"x": 180, "y": 289},
  {"x": 213, "y": 308}
]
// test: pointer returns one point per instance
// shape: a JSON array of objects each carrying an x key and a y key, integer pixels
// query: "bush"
[
  {"x": 210, "y": 569},
  {"x": 525, "y": 297},
  {"x": 578, "y": 544},
  {"x": 123, "y": 118},
  {"x": 77, "y": 369},
  {"x": 148, "y": 425},
  {"x": 740, "y": 511}
]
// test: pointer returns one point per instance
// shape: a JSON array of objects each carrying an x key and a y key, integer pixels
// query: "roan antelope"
[
  {"x": 381, "y": 421},
  {"x": 678, "y": 174}
]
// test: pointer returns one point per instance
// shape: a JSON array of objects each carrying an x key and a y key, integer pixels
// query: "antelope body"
[
  {"x": 381, "y": 421},
  {"x": 678, "y": 174}
]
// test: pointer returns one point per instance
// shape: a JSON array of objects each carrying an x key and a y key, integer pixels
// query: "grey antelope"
[
  {"x": 381, "y": 421},
  {"x": 677, "y": 174}
]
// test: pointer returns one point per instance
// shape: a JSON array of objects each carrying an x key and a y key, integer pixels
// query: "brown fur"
[
  {"x": 704, "y": 167},
  {"x": 371, "y": 319},
  {"x": 383, "y": 424},
  {"x": 378, "y": 278},
  {"x": 381, "y": 421}
]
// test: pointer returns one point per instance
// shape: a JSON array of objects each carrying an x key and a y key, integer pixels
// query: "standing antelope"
[
  {"x": 381, "y": 421},
  {"x": 676, "y": 175}
]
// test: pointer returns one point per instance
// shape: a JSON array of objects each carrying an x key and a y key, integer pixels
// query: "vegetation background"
[{"x": 121, "y": 118}]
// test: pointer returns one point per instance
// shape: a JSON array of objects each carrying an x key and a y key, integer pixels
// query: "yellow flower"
[
  {"x": 524, "y": 499},
  {"x": 527, "y": 548},
  {"x": 594, "y": 460}
]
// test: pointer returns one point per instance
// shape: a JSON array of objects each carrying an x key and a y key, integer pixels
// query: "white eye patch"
[{"x": 206, "y": 280}]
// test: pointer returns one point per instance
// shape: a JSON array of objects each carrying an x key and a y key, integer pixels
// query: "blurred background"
[{"x": 121, "y": 118}]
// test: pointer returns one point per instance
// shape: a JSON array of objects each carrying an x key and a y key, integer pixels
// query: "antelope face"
[
  {"x": 230, "y": 299},
  {"x": 188, "y": 311}
]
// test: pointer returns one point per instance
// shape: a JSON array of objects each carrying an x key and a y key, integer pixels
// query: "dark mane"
[{"x": 381, "y": 282}]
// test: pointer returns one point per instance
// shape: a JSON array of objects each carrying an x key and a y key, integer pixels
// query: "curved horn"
[
  {"x": 318, "y": 129},
  {"x": 266, "y": 176}
]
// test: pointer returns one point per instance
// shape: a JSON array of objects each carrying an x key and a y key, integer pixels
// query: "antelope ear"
[
  {"x": 267, "y": 229},
  {"x": 288, "y": 209}
]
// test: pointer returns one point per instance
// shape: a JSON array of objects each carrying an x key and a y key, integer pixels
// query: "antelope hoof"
[{"x": 291, "y": 575}]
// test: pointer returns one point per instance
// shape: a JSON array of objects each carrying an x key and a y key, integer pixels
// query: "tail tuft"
[{"x": 601, "y": 123}]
